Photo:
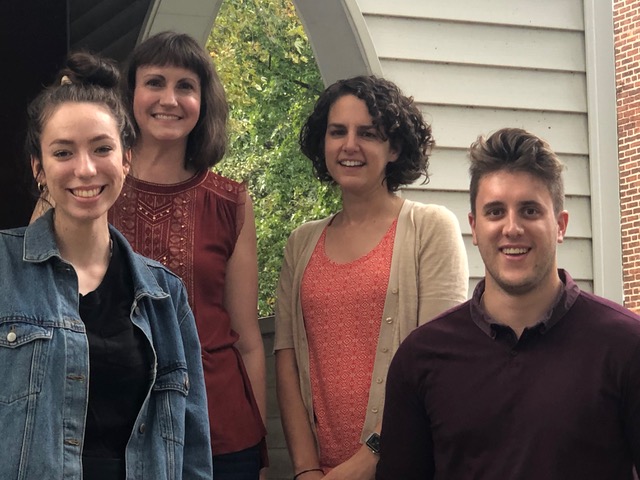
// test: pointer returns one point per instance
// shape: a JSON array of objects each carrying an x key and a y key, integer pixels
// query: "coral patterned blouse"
[
  {"x": 192, "y": 228},
  {"x": 342, "y": 306}
]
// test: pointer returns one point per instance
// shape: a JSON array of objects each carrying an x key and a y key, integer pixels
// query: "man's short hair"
[{"x": 516, "y": 150}]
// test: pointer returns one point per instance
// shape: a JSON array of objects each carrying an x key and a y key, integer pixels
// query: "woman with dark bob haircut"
[
  {"x": 200, "y": 225},
  {"x": 207, "y": 142},
  {"x": 355, "y": 284}
]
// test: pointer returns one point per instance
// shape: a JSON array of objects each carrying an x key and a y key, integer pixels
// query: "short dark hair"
[
  {"x": 516, "y": 150},
  {"x": 207, "y": 141},
  {"x": 85, "y": 78},
  {"x": 396, "y": 117}
]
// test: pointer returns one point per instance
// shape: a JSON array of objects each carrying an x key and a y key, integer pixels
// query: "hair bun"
[{"x": 86, "y": 68}]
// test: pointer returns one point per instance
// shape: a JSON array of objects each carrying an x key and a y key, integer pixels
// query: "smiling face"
[
  {"x": 83, "y": 165},
  {"x": 166, "y": 102},
  {"x": 517, "y": 232},
  {"x": 355, "y": 154}
]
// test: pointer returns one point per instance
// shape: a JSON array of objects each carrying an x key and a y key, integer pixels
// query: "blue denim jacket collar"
[
  {"x": 39, "y": 241},
  {"x": 40, "y": 245}
]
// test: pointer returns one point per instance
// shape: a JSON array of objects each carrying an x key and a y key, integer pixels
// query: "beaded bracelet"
[{"x": 306, "y": 471}]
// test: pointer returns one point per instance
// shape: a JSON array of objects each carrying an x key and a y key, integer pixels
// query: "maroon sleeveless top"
[{"x": 192, "y": 228}]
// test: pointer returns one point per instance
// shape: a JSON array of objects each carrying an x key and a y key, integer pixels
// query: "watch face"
[{"x": 373, "y": 442}]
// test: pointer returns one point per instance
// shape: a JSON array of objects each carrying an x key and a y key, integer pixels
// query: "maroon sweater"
[{"x": 466, "y": 399}]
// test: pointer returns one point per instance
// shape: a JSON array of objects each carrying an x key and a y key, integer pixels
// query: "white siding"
[
  {"x": 453, "y": 84},
  {"x": 444, "y": 41},
  {"x": 558, "y": 14},
  {"x": 475, "y": 67}
]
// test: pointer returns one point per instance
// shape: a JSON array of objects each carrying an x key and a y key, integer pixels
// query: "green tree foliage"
[{"x": 265, "y": 61}]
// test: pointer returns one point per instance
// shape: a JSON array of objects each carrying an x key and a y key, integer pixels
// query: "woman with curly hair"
[{"x": 355, "y": 284}]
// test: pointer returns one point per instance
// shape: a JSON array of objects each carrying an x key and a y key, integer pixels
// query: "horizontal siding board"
[
  {"x": 458, "y": 202},
  {"x": 448, "y": 169},
  {"x": 576, "y": 175},
  {"x": 477, "y": 44},
  {"x": 585, "y": 285},
  {"x": 280, "y": 464},
  {"x": 457, "y": 127},
  {"x": 491, "y": 87},
  {"x": 280, "y": 467},
  {"x": 558, "y": 14}
]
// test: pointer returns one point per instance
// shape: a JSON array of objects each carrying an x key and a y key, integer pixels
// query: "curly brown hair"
[{"x": 395, "y": 116}]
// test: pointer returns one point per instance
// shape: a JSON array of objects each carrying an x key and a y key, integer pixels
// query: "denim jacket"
[{"x": 44, "y": 367}]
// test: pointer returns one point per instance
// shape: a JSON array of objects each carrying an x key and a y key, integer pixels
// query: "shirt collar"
[
  {"x": 40, "y": 245},
  {"x": 39, "y": 241},
  {"x": 565, "y": 300}
]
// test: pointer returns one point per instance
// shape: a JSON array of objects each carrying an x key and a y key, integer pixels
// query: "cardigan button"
[
  {"x": 374, "y": 410},
  {"x": 389, "y": 320}
]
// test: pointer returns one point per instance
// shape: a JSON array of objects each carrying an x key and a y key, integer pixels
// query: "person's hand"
[
  {"x": 361, "y": 466},
  {"x": 263, "y": 473}
]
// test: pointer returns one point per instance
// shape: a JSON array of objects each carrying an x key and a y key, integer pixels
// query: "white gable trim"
[
  {"x": 336, "y": 29},
  {"x": 339, "y": 37},
  {"x": 194, "y": 17}
]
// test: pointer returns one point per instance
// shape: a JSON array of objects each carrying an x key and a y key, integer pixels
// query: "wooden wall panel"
[
  {"x": 491, "y": 87},
  {"x": 432, "y": 40},
  {"x": 444, "y": 161},
  {"x": 559, "y": 14},
  {"x": 457, "y": 126}
]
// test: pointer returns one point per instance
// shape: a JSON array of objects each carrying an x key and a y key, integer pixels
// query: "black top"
[{"x": 119, "y": 371}]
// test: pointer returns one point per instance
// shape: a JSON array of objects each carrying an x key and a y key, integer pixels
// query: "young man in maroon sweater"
[{"x": 531, "y": 379}]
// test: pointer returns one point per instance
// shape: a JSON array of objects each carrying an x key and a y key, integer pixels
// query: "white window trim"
[{"x": 603, "y": 151}]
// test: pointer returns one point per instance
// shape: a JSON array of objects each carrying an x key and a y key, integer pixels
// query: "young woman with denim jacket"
[{"x": 99, "y": 356}]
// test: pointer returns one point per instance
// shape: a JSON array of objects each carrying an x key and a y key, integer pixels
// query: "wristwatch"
[{"x": 373, "y": 442}]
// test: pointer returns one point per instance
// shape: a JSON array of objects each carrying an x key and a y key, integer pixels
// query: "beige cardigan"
[{"x": 429, "y": 274}]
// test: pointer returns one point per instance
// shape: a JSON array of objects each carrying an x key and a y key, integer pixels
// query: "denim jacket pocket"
[
  {"x": 171, "y": 389},
  {"x": 24, "y": 349}
]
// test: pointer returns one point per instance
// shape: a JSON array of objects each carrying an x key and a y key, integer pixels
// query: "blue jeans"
[{"x": 242, "y": 465}]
